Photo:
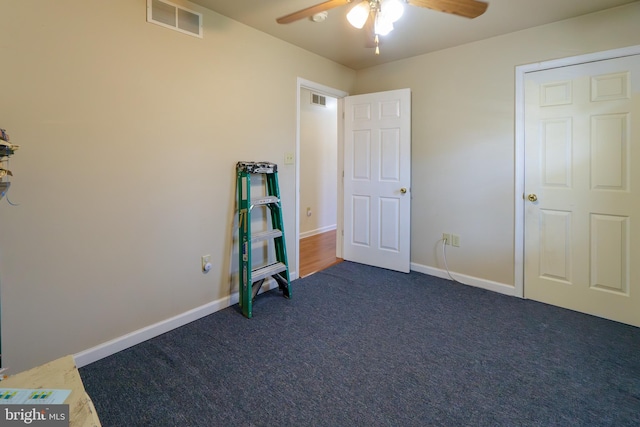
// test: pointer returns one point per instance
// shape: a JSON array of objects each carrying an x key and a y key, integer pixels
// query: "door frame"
[
  {"x": 521, "y": 72},
  {"x": 339, "y": 95}
]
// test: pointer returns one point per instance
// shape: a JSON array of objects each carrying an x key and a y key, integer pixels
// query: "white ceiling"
[{"x": 419, "y": 30}]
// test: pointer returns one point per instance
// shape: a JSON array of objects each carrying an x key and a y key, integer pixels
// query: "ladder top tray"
[{"x": 257, "y": 167}]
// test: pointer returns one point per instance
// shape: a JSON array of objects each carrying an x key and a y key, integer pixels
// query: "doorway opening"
[{"x": 319, "y": 168}]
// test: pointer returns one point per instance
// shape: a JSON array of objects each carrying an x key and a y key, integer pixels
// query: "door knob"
[
  {"x": 403, "y": 190},
  {"x": 532, "y": 197}
]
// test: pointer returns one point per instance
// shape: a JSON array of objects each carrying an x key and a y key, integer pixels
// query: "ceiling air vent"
[
  {"x": 318, "y": 99},
  {"x": 176, "y": 17}
]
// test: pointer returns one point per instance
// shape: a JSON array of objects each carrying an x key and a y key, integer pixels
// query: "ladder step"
[
  {"x": 266, "y": 235},
  {"x": 267, "y": 271},
  {"x": 265, "y": 200}
]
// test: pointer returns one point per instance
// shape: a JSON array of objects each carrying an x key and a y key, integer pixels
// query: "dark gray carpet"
[{"x": 362, "y": 346}]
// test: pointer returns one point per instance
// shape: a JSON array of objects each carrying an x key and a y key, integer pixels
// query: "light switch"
[{"x": 288, "y": 158}]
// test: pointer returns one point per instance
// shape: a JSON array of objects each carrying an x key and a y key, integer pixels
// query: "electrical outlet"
[
  {"x": 447, "y": 238},
  {"x": 206, "y": 261},
  {"x": 455, "y": 240}
]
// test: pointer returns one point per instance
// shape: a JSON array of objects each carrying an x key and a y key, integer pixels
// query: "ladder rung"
[
  {"x": 265, "y": 235},
  {"x": 267, "y": 270},
  {"x": 264, "y": 200}
]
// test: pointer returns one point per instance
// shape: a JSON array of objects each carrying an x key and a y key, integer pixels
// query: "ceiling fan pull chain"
[{"x": 377, "y": 48}]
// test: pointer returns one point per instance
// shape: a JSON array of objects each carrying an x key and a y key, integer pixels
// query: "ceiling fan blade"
[
  {"x": 310, "y": 11},
  {"x": 466, "y": 8}
]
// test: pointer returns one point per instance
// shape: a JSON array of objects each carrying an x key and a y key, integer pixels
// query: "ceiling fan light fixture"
[
  {"x": 391, "y": 9},
  {"x": 383, "y": 25},
  {"x": 358, "y": 15}
]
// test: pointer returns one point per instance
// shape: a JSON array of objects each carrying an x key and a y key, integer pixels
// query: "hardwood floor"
[{"x": 317, "y": 253}]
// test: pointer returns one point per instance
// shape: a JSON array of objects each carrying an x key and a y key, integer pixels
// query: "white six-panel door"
[
  {"x": 377, "y": 178},
  {"x": 582, "y": 188}
]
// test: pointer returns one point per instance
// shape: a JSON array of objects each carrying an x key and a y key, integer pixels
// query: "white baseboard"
[
  {"x": 318, "y": 231},
  {"x": 466, "y": 280},
  {"x": 108, "y": 348}
]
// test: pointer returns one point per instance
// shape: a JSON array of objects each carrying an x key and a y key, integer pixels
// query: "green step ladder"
[{"x": 251, "y": 278}]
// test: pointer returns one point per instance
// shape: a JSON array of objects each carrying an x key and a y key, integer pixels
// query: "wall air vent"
[
  {"x": 318, "y": 99},
  {"x": 176, "y": 17}
]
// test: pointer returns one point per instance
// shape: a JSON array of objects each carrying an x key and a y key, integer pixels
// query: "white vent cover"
[
  {"x": 318, "y": 99},
  {"x": 176, "y": 17}
]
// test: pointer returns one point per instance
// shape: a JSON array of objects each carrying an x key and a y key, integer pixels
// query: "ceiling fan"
[{"x": 384, "y": 13}]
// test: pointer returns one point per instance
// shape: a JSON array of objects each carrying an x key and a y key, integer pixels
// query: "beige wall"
[
  {"x": 318, "y": 164},
  {"x": 463, "y": 134},
  {"x": 129, "y": 136}
]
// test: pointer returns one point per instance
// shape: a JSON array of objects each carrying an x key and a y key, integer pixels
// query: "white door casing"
[
  {"x": 582, "y": 141},
  {"x": 377, "y": 179},
  {"x": 339, "y": 94}
]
